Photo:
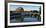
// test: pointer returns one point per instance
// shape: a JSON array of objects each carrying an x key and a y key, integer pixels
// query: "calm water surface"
[{"x": 26, "y": 19}]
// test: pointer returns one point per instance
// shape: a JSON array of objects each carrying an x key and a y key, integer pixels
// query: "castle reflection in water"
[{"x": 24, "y": 16}]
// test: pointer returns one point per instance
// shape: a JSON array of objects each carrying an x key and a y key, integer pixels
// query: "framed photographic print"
[{"x": 20, "y": 13}]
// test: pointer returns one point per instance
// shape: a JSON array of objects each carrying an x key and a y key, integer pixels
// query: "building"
[{"x": 19, "y": 10}]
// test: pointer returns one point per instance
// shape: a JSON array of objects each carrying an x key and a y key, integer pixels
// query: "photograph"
[{"x": 24, "y": 13}]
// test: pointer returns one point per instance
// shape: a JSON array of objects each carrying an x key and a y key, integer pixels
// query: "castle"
[{"x": 19, "y": 10}]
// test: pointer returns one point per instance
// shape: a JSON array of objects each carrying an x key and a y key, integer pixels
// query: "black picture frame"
[{"x": 22, "y": 2}]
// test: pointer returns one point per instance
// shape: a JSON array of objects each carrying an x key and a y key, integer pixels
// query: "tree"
[
  {"x": 35, "y": 11},
  {"x": 40, "y": 10}
]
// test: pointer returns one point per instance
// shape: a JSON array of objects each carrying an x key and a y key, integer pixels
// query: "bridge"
[{"x": 26, "y": 14}]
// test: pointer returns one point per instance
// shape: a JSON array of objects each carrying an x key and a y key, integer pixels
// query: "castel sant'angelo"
[{"x": 19, "y": 10}]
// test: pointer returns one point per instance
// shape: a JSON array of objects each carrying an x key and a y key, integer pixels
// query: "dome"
[{"x": 20, "y": 9}]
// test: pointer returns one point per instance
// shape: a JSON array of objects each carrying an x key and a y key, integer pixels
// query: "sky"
[{"x": 25, "y": 7}]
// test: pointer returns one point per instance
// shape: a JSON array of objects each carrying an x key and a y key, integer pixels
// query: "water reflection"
[{"x": 19, "y": 17}]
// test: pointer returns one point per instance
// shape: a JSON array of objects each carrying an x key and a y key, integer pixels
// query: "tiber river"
[{"x": 21, "y": 18}]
